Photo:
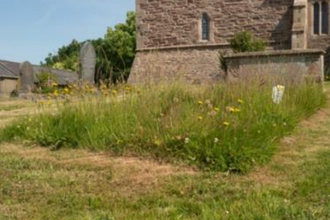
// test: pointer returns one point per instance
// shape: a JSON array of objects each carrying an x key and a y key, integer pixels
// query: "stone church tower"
[{"x": 182, "y": 38}]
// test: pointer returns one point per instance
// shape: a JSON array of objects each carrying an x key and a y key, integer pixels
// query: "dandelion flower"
[
  {"x": 226, "y": 123},
  {"x": 231, "y": 109}
]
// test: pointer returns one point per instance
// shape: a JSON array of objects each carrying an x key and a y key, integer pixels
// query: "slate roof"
[
  {"x": 64, "y": 77},
  {"x": 10, "y": 69},
  {"x": 7, "y": 70}
]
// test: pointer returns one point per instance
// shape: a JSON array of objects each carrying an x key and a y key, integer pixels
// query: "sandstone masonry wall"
[
  {"x": 279, "y": 67},
  {"x": 164, "y": 23},
  {"x": 196, "y": 66},
  {"x": 169, "y": 41}
]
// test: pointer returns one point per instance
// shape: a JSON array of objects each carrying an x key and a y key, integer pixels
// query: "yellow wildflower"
[
  {"x": 54, "y": 84},
  {"x": 226, "y": 123},
  {"x": 231, "y": 109},
  {"x": 158, "y": 142},
  {"x": 66, "y": 90},
  {"x": 114, "y": 92},
  {"x": 55, "y": 93},
  {"x": 216, "y": 109},
  {"x": 200, "y": 118},
  {"x": 240, "y": 101},
  {"x": 200, "y": 102}
]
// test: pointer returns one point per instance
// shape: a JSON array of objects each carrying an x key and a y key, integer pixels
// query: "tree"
[
  {"x": 67, "y": 57},
  {"x": 115, "y": 53},
  {"x": 120, "y": 43}
]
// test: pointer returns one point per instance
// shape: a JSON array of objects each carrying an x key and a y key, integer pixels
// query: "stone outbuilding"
[
  {"x": 8, "y": 79},
  {"x": 10, "y": 76},
  {"x": 182, "y": 38}
]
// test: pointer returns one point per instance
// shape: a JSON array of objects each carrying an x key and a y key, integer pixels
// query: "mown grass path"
[{"x": 36, "y": 183}]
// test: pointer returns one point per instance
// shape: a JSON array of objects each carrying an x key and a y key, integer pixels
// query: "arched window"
[
  {"x": 205, "y": 27},
  {"x": 324, "y": 18},
  {"x": 316, "y": 7},
  {"x": 320, "y": 16}
]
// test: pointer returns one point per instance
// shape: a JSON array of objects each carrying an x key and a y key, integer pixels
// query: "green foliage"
[
  {"x": 46, "y": 82},
  {"x": 246, "y": 42},
  {"x": 115, "y": 53},
  {"x": 67, "y": 57},
  {"x": 120, "y": 43},
  {"x": 226, "y": 127}
]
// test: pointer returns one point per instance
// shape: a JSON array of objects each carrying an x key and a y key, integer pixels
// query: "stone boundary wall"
[
  {"x": 195, "y": 65},
  {"x": 280, "y": 67}
]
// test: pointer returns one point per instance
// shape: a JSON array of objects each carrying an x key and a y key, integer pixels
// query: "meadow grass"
[{"x": 230, "y": 127}]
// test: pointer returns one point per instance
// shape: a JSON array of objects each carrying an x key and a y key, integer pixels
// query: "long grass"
[{"x": 229, "y": 127}]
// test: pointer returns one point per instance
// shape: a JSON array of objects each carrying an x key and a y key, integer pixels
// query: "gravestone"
[
  {"x": 26, "y": 84},
  {"x": 87, "y": 62}
]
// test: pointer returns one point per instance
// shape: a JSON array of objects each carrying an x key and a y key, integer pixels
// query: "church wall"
[
  {"x": 164, "y": 23},
  {"x": 169, "y": 35}
]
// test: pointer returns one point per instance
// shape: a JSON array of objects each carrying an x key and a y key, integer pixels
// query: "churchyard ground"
[{"x": 39, "y": 183}]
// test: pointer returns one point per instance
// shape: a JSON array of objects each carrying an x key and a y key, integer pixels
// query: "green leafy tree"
[
  {"x": 121, "y": 45},
  {"x": 67, "y": 57},
  {"x": 115, "y": 53}
]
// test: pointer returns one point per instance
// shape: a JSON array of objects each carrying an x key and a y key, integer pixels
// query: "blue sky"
[{"x": 30, "y": 29}]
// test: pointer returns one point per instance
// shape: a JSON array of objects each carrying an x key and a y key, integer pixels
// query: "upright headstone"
[
  {"x": 88, "y": 62},
  {"x": 27, "y": 84}
]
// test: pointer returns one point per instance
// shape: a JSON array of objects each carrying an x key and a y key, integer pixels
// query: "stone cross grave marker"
[{"x": 88, "y": 62}]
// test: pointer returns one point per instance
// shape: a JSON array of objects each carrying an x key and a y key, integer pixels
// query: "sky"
[{"x": 31, "y": 29}]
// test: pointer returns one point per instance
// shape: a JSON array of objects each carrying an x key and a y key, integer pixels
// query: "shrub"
[
  {"x": 47, "y": 82},
  {"x": 224, "y": 127},
  {"x": 246, "y": 42}
]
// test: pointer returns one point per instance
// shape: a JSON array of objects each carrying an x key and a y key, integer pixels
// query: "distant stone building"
[
  {"x": 183, "y": 37},
  {"x": 10, "y": 76}
]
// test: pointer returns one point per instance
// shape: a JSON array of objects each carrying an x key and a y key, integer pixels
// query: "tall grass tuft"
[{"x": 229, "y": 127}]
